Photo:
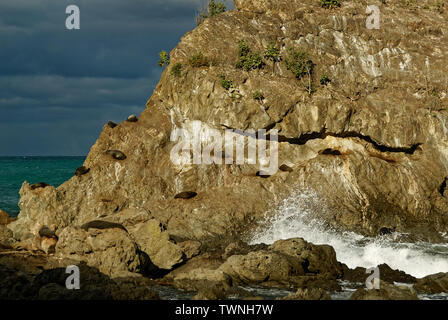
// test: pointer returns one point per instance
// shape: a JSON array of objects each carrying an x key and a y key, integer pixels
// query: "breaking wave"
[{"x": 294, "y": 218}]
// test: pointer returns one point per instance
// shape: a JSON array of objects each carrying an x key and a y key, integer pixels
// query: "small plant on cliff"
[
  {"x": 164, "y": 60},
  {"x": 213, "y": 9},
  {"x": 324, "y": 80},
  {"x": 225, "y": 83},
  {"x": 299, "y": 63},
  {"x": 272, "y": 54},
  {"x": 246, "y": 59},
  {"x": 258, "y": 95},
  {"x": 198, "y": 60},
  {"x": 330, "y": 3},
  {"x": 176, "y": 69}
]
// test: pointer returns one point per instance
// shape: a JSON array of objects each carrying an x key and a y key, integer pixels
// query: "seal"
[
  {"x": 112, "y": 124},
  {"x": 331, "y": 152},
  {"x": 116, "y": 154},
  {"x": 261, "y": 175},
  {"x": 81, "y": 171},
  {"x": 39, "y": 185},
  {"x": 47, "y": 233},
  {"x": 286, "y": 168},
  {"x": 185, "y": 195},
  {"x": 99, "y": 224},
  {"x": 132, "y": 118}
]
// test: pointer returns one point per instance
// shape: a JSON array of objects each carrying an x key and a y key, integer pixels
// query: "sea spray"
[{"x": 296, "y": 217}]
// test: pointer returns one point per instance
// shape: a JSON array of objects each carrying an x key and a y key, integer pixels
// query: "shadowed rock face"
[{"x": 384, "y": 111}]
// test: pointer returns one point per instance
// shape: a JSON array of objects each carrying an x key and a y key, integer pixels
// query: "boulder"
[
  {"x": 315, "y": 259},
  {"x": 432, "y": 284},
  {"x": 262, "y": 266},
  {"x": 110, "y": 250},
  {"x": 386, "y": 274},
  {"x": 152, "y": 239},
  {"x": 6, "y": 236},
  {"x": 387, "y": 291},
  {"x": 190, "y": 248},
  {"x": 5, "y": 218}
]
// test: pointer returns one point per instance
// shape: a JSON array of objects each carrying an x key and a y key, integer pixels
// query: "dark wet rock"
[
  {"x": 185, "y": 195},
  {"x": 386, "y": 274},
  {"x": 387, "y": 291},
  {"x": 116, "y": 154},
  {"x": 385, "y": 231},
  {"x": 81, "y": 171},
  {"x": 308, "y": 294},
  {"x": 432, "y": 284}
]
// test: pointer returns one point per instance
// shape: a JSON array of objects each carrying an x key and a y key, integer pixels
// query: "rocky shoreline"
[
  {"x": 136, "y": 259},
  {"x": 370, "y": 140}
]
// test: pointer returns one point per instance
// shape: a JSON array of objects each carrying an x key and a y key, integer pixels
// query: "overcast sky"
[{"x": 58, "y": 87}]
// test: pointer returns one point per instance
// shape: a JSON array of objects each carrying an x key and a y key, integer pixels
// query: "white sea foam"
[{"x": 295, "y": 218}]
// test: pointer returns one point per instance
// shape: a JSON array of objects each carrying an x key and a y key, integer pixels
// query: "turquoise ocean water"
[{"x": 15, "y": 170}]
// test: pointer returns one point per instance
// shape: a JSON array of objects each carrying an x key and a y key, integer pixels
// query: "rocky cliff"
[{"x": 370, "y": 138}]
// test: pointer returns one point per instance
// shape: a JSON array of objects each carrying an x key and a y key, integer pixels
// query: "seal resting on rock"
[
  {"x": 116, "y": 154},
  {"x": 111, "y": 124},
  {"x": 39, "y": 185},
  {"x": 285, "y": 168},
  {"x": 261, "y": 175},
  {"x": 81, "y": 171},
  {"x": 132, "y": 118},
  {"x": 185, "y": 195},
  {"x": 99, "y": 224},
  {"x": 47, "y": 233}
]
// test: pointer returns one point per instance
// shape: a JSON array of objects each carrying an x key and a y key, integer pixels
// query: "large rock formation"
[{"x": 372, "y": 142}]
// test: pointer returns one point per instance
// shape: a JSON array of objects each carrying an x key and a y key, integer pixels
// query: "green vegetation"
[
  {"x": 225, "y": 83},
  {"x": 246, "y": 59},
  {"x": 213, "y": 9},
  {"x": 324, "y": 80},
  {"x": 176, "y": 69},
  {"x": 440, "y": 5},
  {"x": 258, "y": 95},
  {"x": 198, "y": 60},
  {"x": 299, "y": 63},
  {"x": 330, "y": 3},
  {"x": 164, "y": 60},
  {"x": 272, "y": 54}
]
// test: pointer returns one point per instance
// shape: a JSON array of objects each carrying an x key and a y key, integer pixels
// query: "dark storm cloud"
[{"x": 58, "y": 87}]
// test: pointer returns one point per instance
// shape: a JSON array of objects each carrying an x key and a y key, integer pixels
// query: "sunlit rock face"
[{"x": 372, "y": 143}]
